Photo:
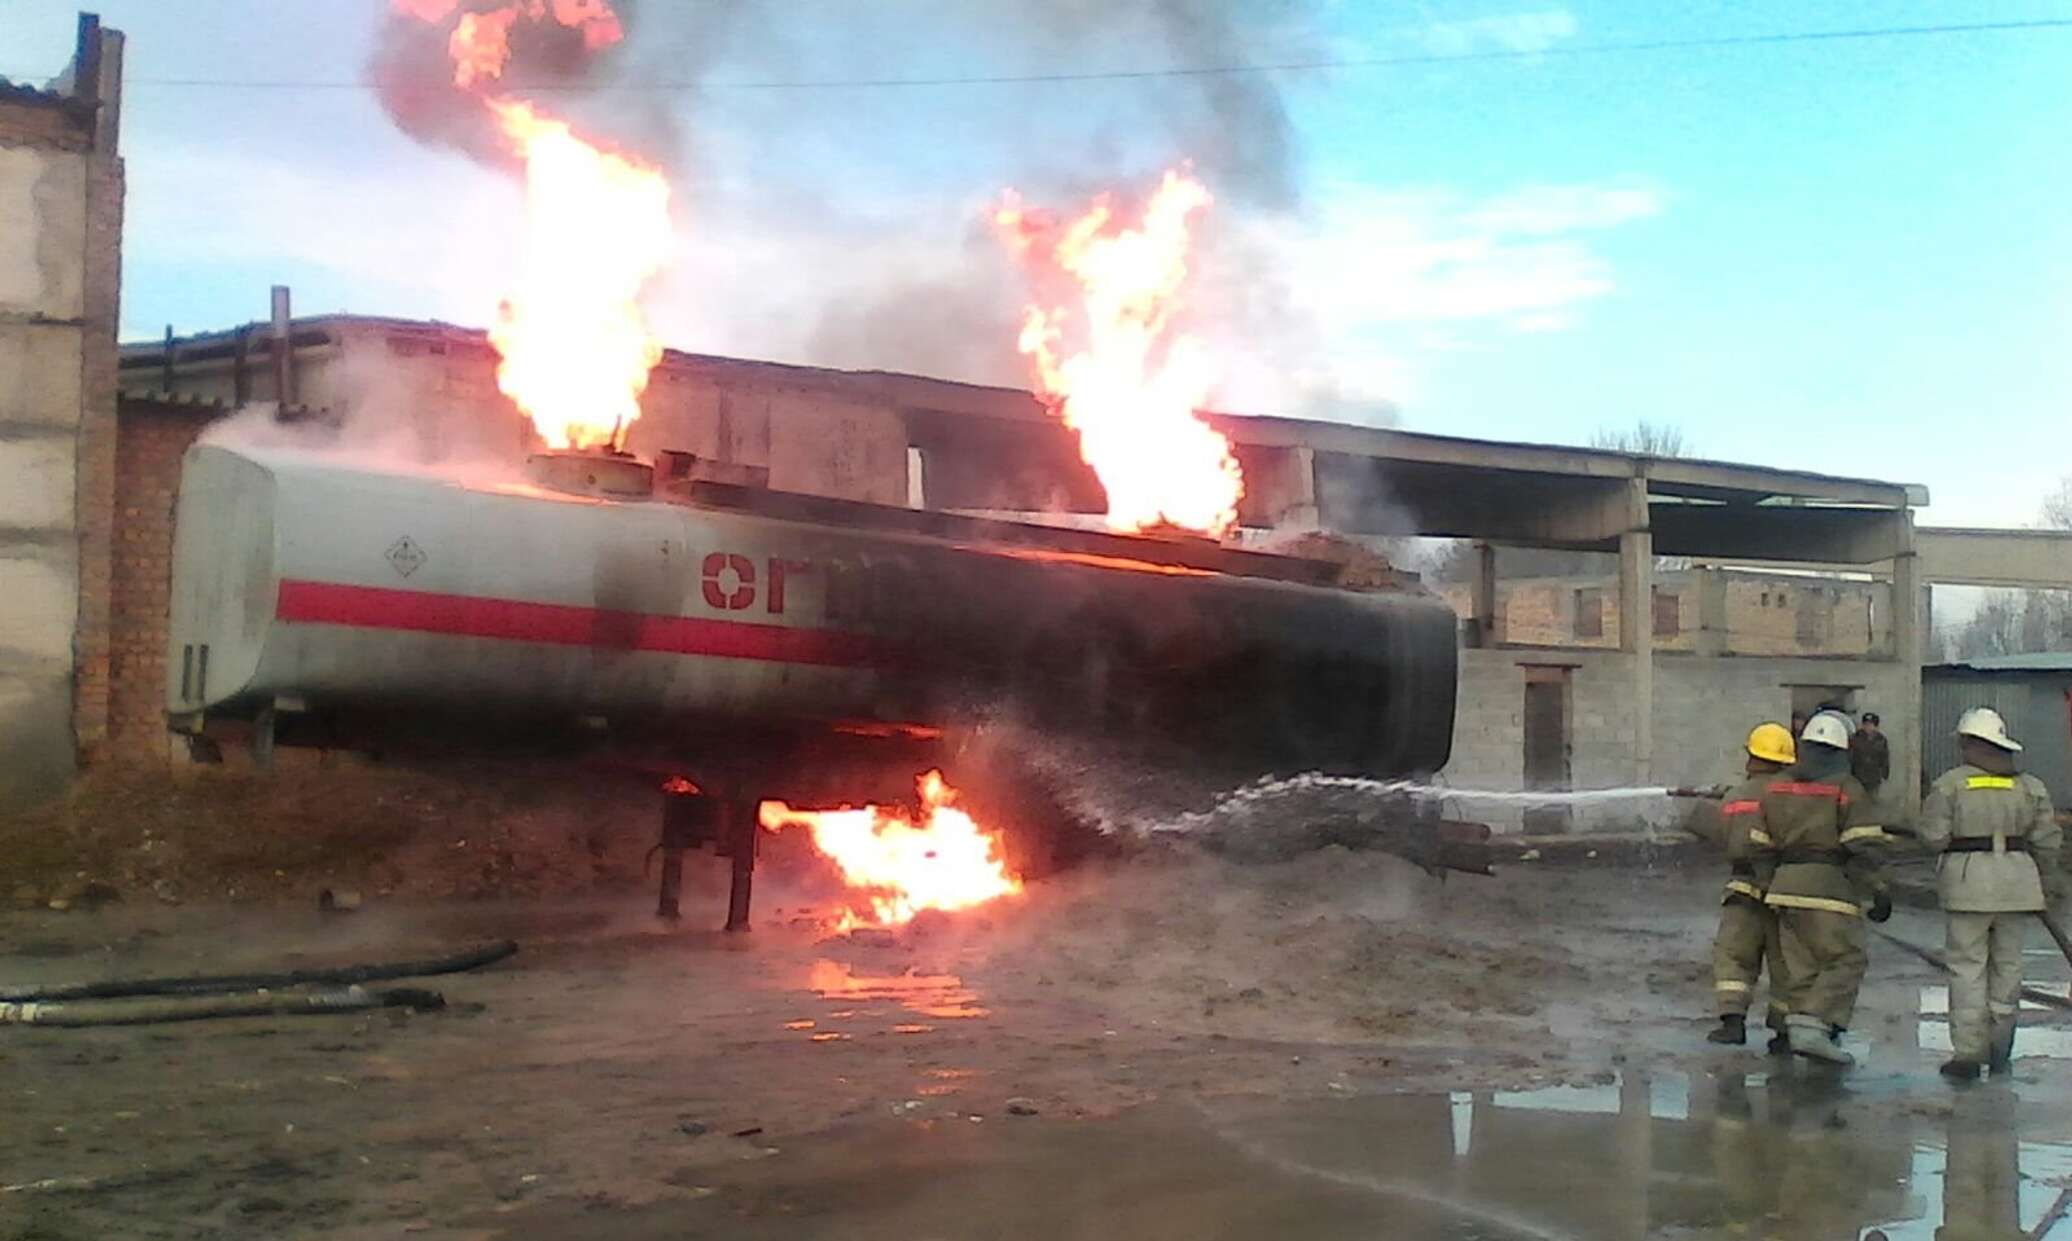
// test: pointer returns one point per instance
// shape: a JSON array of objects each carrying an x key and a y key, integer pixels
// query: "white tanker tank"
[{"x": 339, "y": 603}]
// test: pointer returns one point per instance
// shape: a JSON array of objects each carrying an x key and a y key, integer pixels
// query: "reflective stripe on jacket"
[
  {"x": 1820, "y": 833},
  {"x": 1986, "y": 810},
  {"x": 1741, "y": 816}
]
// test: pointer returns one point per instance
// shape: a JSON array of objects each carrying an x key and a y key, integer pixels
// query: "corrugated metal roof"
[{"x": 2040, "y": 661}]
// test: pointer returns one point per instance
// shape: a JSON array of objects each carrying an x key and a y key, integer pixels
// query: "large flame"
[
  {"x": 576, "y": 350},
  {"x": 944, "y": 861},
  {"x": 1118, "y": 371}
]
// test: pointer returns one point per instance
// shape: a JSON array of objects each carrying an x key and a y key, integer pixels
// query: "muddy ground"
[{"x": 1165, "y": 1044}]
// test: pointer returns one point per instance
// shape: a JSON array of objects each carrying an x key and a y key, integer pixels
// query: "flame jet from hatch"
[
  {"x": 1118, "y": 371},
  {"x": 575, "y": 350}
]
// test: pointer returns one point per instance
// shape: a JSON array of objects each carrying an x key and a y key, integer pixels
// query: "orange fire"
[
  {"x": 481, "y": 46},
  {"x": 575, "y": 348},
  {"x": 1119, "y": 373},
  {"x": 945, "y": 861}
]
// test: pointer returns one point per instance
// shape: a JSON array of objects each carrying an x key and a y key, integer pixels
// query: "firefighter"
[
  {"x": 1818, "y": 832},
  {"x": 1999, "y": 842},
  {"x": 1747, "y": 928}
]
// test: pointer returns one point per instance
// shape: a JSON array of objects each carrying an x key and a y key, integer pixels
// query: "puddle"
[
  {"x": 940, "y": 996},
  {"x": 1730, "y": 1156},
  {"x": 2033, "y": 1040}
]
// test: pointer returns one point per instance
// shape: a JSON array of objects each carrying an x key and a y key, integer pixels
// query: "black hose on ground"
[
  {"x": 137, "y": 1012},
  {"x": 207, "y": 984},
  {"x": 2049, "y": 999}
]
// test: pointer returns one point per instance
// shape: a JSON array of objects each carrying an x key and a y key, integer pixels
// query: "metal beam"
[{"x": 1966, "y": 556}]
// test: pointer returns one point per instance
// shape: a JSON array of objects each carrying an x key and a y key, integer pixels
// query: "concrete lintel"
[
  {"x": 1673, "y": 472},
  {"x": 1370, "y": 495},
  {"x": 1850, "y": 536},
  {"x": 1966, "y": 556}
]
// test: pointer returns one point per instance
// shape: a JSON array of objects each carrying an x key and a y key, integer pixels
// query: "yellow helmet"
[{"x": 1772, "y": 743}]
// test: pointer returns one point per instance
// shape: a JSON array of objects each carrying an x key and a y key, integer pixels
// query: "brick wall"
[
  {"x": 95, "y": 491},
  {"x": 147, "y": 477},
  {"x": 1767, "y": 614}
]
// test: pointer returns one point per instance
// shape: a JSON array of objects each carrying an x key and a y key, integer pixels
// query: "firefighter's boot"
[
  {"x": 1732, "y": 1030},
  {"x": 1812, "y": 1038}
]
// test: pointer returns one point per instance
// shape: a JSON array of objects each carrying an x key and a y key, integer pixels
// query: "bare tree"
[
  {"x": 2057, "y": 507},
  {"x": 1995, "y": 629},
  {"x": 1643, "y": 438}
]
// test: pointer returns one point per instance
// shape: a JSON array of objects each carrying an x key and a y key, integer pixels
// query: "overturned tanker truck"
[{"x": 681, "y": 620}]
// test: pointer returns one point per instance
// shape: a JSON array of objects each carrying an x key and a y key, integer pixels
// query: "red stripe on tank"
[
  {"x": 1742, "y": 807},
  {"x": 512, "y": 620}
]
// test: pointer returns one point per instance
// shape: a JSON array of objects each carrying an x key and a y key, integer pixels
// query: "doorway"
[{"x": 1547, "y": 747}]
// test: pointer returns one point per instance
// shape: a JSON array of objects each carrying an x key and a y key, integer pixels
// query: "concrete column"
[
  {"x": 1292, "y": 495},
  {"x": 1909, "y": 632},
  {"x": 1484, "y": 600},
  {"x": 1636, "y": 623},
  {"x": 1712, "y": 611}
]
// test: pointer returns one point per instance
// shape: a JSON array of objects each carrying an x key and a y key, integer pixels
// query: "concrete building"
[
  {"x": 1646, "y": 675},
  {"x": 61, "y": 189}
]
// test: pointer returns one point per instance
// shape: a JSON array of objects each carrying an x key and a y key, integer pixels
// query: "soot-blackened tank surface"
[{"x": 340, "y": 587}]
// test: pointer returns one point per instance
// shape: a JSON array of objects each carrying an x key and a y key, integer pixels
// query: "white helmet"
[
  {"x": 1985, "y": 724},
  {"x": 1827, "y": 729}
]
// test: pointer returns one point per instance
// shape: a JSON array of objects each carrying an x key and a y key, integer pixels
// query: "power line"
[{"x": 1197, "y": 71}]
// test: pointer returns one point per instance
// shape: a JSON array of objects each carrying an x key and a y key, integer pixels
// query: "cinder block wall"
[
  {"x": 60, "y": 229},
  {"x": 1767, "y": 614},
  {"x": 1703, "y": 709}
]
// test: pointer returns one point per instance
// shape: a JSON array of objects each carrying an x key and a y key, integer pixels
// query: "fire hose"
[
  {"x": 136, "y": 1012},
  {"x": 144, "y": 1001},
  {"x": 2034, "y": 994},
  {"x": 207, "y": 984}
]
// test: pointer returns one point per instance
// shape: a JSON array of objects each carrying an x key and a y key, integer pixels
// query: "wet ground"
[{"x": 1336, "y": 1047}]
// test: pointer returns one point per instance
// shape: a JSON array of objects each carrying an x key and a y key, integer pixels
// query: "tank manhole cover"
[{"x": 406, "y": 556}]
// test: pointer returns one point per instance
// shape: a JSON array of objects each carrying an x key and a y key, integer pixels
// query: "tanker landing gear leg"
[
  {"x": 742, "y": 840},
  {"x": 691, "y": 817},
  {"x": 672, "y": 883},
  {"x": 687, "y": 822}
]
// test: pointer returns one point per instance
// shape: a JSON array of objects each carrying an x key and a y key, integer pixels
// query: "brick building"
[{"x": 61, "y": 190}]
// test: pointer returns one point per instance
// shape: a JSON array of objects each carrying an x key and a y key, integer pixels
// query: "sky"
[{"x": 1847, "y": 256}]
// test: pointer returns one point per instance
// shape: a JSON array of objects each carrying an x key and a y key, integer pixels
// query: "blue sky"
[{"x": 1853, "y": 257}]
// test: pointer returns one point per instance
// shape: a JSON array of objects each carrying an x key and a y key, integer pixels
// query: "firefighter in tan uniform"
[
  {"x": 1819, "y": 833},
  {"x": 1747, "y": 935},
  {"x": 1999, "y": 842}
]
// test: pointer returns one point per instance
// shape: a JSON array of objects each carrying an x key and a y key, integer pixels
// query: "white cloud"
[
  {"x": 1418, "y": 257},
  {"x": 1566, "y": 208},
  {"x": 1531, "y": 31},
  {"x": 1381, "y": 279}
]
